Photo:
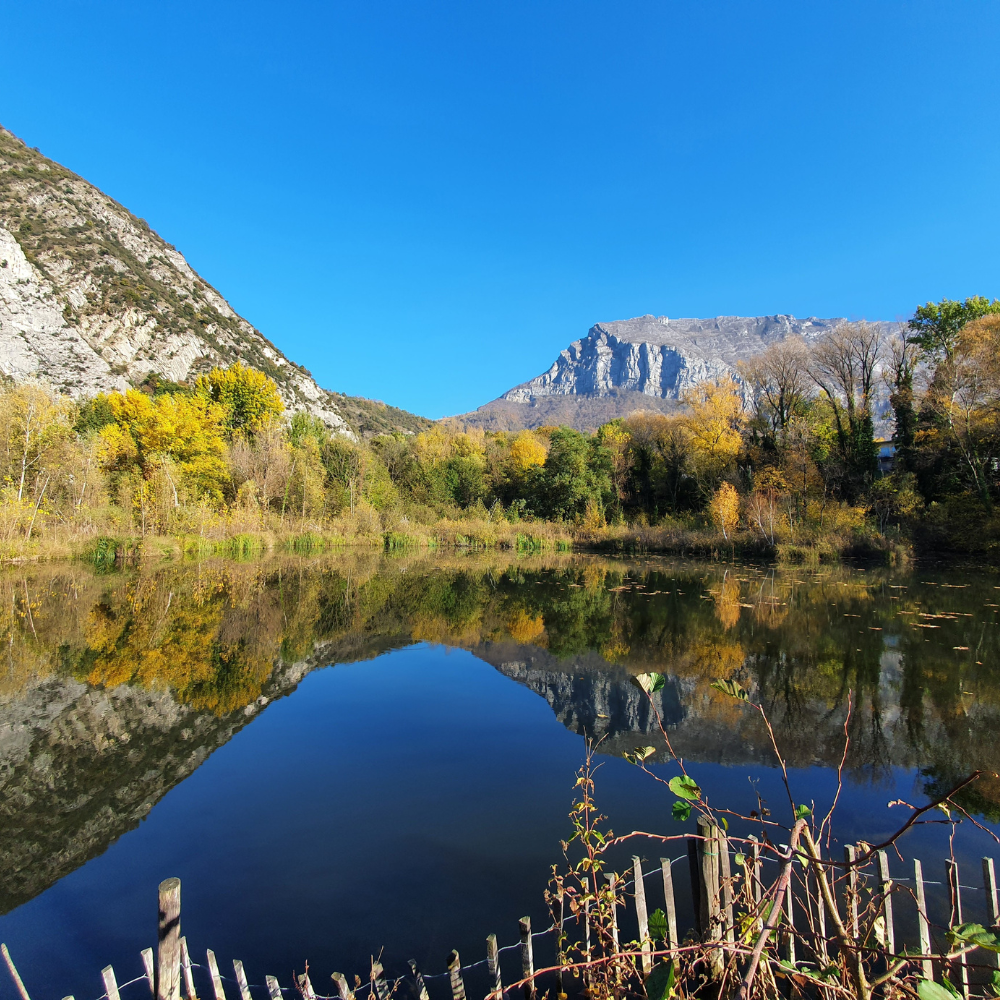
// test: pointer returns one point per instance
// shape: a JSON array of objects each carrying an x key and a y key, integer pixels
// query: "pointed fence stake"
[
  {"x": 213, "y": 971},
  {"x": 110, "y": 983},
  {"x": 418, "y": 980},
  {"x": 527, "y": 958},
  {"x": 725, "y": 884},
  {"x": 923, "y": 924},
  {"x": 273, "y": 989},
  {"x": 493, "y": 962},
  {"x": 346, "y": 993},
  {"x": 990, "y": 885},
  {"x": 852, "y": 890},
  {"x": 378, "y": 980},
  {"x": 241, "y": 979},
  {"x": 669, "y": 905},
  {"x": 186, "y": 970},
  {"x": 885, "y": 886},
  {"x": 455, "y": 976},
  {"x": 641, "y": 916},
  {"x": 147, "y": 963},
  {"x": 559, "y": 915},
  {"x": 753, "y": 878},
  {"x": 168, "y": 959},
  {"x": 956, "y": 890},
  {"x": 14, "y": 973}
]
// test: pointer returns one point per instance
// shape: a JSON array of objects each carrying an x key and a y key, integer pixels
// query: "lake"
[{"x": 361, "y": 752}]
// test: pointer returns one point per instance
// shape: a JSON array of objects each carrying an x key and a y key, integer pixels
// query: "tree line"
[{"x": 789, "y": 447}]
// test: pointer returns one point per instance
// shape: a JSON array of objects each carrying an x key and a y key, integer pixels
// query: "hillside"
[
  {"x": 93, "y": 299},
  {"x": 634, "y": 364}
]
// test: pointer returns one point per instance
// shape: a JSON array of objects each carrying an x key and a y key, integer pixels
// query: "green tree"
[
  {"x": 935, "y": 326},
  {"x": 577, "y": 469}
]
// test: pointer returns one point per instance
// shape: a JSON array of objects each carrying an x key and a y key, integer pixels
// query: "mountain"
[
  {"x": 638, "y": 364},
  {"x": 92, "y": 299}
]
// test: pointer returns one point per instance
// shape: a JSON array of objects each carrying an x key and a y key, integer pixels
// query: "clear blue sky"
[{"x": 423, "y": 202}]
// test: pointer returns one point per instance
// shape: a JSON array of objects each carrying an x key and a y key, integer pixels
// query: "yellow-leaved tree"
[
  {"x": 178, "y": 435},
  {"x": 725, "y": 509},
  {"x": 715, "y": 429},
  {"x": 526, "y": 452},
  {"x": 248, "y": 398}
]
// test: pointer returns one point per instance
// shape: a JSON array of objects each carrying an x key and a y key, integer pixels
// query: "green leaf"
[
  {"x": 740, "y": 859},
  {"x": 974, "y": 934},
  {"x": 639, "y": 754},
  {"x": 685, "y": 788},
  {"x": 724, "y": 823},
  {"x": 681, "y": 810},
  {"x": 732, "y": 688},
  {"x": 994, "y": 984},
  {"x": 649, "y": 682},
  {"x": 661, "y": 981},
  {"x": 658, "y": 925},
  {"x": 801, "y": 812},
  {"x": 928, "y": 990}
]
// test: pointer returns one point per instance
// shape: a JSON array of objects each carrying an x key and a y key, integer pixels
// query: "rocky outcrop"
[
  {"x": 659, "y": 357},
  {"x": 92, "y": 299},
  {"x": 642, "y": 363}
]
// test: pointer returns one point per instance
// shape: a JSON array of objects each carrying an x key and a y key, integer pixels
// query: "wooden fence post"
[
  {"x": 185, "y": 969},
  {"x": 493, "y": 961},
  {"x": 694, "y": 868},
  {"x": 241, "y": 979},
  {"x": 379, "y": 983},
  {"x": 273, "y": 989},
  {"x": 110, "y": 983},
  {"x": 418, "y": 980},
  {"x": 641, "y": 915},
  {"x": 168, "y": 964},
  {"x": 344, "y": 991},
  {"x": 213, "y": 970},
  {"x": 885, "y": 886},
  {"x": 527, "y": 958},
  {"x": 956, "y": 890},
  {"x": 708, "y": 883},
  {"x": 559, "y": 916},
  {"x": 990, "y": 885},
  {"x": 851, "y": 890},
  {"x": 455, "y": 974},
  {"x": 725, "y": 884},
  {"x": 147, "y": 963},
  {"x": 16, "y": 976},
  {"x": 923, "y": 923},
  {"x": 668, "y": 902}
]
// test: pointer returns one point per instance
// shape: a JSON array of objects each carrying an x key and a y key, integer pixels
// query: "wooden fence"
[{"x": 710, "y": 867}]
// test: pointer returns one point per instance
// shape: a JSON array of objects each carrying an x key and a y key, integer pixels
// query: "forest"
[{"x": 869, "y": 439}]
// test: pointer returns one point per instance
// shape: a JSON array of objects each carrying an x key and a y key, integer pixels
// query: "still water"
[{"x": 358, "y": 752}]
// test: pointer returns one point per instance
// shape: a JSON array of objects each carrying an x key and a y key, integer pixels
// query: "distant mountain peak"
[{"x": 642, "y": 363}]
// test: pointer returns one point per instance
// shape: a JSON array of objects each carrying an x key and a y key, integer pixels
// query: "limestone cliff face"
[
  {"x": 92, "y": 299},
  {"x": 660, "y": 357}
]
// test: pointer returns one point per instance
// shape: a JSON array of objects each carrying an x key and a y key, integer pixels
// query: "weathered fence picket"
[
  {"x": 670, "y": 907},
  {"x": 213, "y": 971},
  {"x": 923, "y": 922},
  {"x": 714, "y": 895},
  {"x": 168, "y": 965}
]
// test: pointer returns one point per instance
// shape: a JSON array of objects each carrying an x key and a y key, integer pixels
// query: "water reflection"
[{"x": 117, "y": 687}]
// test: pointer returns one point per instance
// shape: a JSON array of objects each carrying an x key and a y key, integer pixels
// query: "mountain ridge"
[
  {"x": 92, "y": 299},
  {"x": 646, "y": 362}
]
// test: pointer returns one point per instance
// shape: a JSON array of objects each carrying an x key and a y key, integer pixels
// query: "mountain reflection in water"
[{"x": 117, "y": 687}]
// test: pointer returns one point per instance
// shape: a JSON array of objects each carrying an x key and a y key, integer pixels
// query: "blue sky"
[{"x": 424, "y": 202}]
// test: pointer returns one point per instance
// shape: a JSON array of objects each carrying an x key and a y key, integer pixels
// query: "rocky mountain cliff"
[
  {"x": 642, "y": 363},
  {"x": 92, "y": 299}
]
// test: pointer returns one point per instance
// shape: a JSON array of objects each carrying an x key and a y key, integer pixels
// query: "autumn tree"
[
  {"x": 247, "y": 398},
  {"x": 724, "y": 509},
  {"x": 714, "y": 426}
]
